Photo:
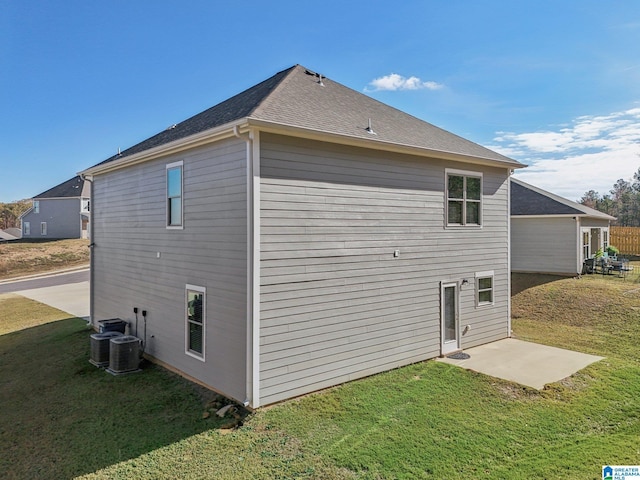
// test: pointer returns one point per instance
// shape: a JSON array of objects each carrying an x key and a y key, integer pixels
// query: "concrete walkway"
[{"x": 522, "y": 362}]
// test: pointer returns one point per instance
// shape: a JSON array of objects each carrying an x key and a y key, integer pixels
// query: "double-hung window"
[
  {"x": 26, "y": 228},
  {"x": 464, "y": 198},
  {"x": 36, "y": 206},
  {"x": 484, "y": 288},
  {"x": 174, "y": 195},
  {"x": 195, "y": 321},
  {"x": 43, "y": 228}
]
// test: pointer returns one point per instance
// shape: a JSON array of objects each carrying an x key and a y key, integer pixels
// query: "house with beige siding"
[
  {"x": 551, "y": 234},
  {"x": 300, "y": 235}
]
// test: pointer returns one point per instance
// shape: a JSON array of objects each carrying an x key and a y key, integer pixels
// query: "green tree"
[{"x": 10, "y": 213}]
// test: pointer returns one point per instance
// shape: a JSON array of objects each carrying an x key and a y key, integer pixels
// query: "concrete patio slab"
[
  {"x": 72, "y": 298},
  {"x": 523, "y": 362}
]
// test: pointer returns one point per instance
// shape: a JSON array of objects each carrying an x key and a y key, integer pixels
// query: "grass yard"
[
  {"x": 23, "y": 257},
  {"x": 63, "y": 418}
]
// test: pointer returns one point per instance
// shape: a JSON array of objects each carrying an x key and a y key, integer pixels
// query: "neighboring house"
[
  {"x": 60, "y": 212},
  {"x": 550, "y": 234},
  {"x": 299, "y": 235}
]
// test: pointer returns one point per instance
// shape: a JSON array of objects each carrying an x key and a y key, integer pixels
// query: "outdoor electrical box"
[{"x": 112, "y": 325}]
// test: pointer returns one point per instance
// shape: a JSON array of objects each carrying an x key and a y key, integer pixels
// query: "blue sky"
[{"x": 553, "y": 84}]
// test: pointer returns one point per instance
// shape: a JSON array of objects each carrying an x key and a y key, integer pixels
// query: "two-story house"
[{"x": 299, "y": 235}]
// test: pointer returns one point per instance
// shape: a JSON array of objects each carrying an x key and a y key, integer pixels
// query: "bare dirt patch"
[{"x": 27, "y": 257}]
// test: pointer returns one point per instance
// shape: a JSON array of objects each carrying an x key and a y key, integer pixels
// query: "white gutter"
[
  {"x": 192, "y": 141},
  {"x": 377, "y": 144},
  {"x": 245, "y": 124}
]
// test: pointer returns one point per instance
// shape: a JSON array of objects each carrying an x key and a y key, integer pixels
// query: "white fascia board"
[
  {"x": 565, "y": 215},
  {"x": 192, "y": 141},
  {"x": 321, "y": 135}
]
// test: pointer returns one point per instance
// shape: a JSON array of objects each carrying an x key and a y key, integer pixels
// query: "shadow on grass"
[
  {"x": 63, "y": 417},
  {"x": 523, "y": 281}
]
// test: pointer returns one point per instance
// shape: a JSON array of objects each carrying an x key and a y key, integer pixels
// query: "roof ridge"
[{"x": 269, "y": 98}]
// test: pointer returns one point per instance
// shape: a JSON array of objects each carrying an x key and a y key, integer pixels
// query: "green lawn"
[{"x": 62, "y": 417}]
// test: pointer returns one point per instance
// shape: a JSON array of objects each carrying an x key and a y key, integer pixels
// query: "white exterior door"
[{"x": 449, "y": 318}]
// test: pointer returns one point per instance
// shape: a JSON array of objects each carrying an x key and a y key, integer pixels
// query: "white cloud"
[
  {"x": 395, "y": 82},
  {"x": 591, "y": 153}
]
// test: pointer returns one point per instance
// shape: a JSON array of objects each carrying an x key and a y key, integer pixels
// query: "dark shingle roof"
[
  {"x": 235, "y": 108},
  {"x": 529, "y": 200},
  {"x": 70, "y": 188},
  {"x": 295, "y": 97}
]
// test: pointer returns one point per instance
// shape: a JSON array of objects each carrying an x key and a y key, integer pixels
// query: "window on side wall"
[
  {"x": 26, "y": 228},
  {"x": 464, "y": 198},
  {"x": 43, "y": 228},
  {"x": 36, "y": 206},
  {"x": 174, "y": 195},
  {"x": 484, "y": 288},
  {"x": 195, "y": 321}
]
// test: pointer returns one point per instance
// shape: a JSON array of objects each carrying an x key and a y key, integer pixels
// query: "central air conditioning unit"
[
  {"x": 99, "y": 343},
  {"x": 124, "y": 355}
]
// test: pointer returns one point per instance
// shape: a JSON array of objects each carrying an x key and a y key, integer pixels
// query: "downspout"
[
  {"x": 578, "y": 247},
  {"x": 251, "y": 374},
  {"x": 509, "y": 173},
  {"x": 89, "y": 178}
]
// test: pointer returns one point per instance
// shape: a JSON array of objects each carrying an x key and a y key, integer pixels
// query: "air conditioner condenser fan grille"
[
  {"x": 100, "y": 347},
  {"x": 124, "y": 355}
]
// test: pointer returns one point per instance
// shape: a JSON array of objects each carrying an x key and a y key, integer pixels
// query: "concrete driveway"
[
  {"x": 62, "y": 291},
  {"x": 522, "y": 362}
]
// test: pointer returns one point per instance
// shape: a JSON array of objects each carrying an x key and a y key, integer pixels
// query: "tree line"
[
  {"x": 10, "y": 213},
  {"x": 622, "y": 201}
]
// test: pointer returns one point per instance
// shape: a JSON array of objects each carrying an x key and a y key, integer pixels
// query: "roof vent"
[
  {"x": 317, "y": 75},
  {"x": 172, "y": 126},
  {"x": 370, "y": 129}
]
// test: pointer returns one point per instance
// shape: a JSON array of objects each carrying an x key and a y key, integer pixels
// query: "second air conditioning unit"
[{"x": 124, "y": 355}]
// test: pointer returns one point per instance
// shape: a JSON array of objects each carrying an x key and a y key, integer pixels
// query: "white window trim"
[
  {"x": 36, "y": 206},
  {"x": 26, "y": 228},
  {"x": 478, "y": 276},
  {"x": 467, "y": 173},
  {"x": 43, "y": 229},
  {"x": 166, "y": 195},
  {"x": 191, "y": 353}
]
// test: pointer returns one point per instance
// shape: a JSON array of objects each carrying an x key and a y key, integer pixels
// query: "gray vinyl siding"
[
  {"x": 62, "y": 216},
  {"x": 335, "y": 304},
  {"x": 544, "y": 245},
  {"x": 129, "y": 208}
]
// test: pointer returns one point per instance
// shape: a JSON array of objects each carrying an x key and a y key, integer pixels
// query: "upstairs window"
[
  {"x": 464, "y": 198},
  {"x": 174, "y": 195},
  {"x": 36, "y": 206}
]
